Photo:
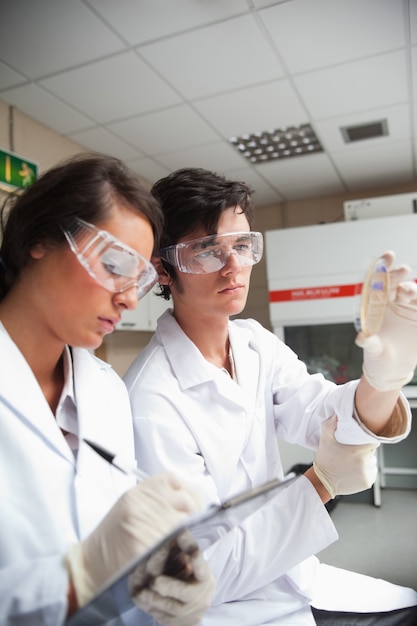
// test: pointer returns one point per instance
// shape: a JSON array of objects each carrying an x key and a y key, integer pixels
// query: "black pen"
[{"x": 114, "y": 459}]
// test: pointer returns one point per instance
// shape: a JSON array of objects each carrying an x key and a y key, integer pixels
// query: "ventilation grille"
[
  {"x": 277, "y": 143},
  {"x": 364, "y": 131}
]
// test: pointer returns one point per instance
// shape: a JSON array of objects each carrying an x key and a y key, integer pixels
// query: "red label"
[{"x": 315, "y": 293}]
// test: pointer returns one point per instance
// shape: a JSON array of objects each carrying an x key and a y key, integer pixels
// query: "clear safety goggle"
[
  {"x": 211, "y": 253},
  {"x": 110, "y": 262}
]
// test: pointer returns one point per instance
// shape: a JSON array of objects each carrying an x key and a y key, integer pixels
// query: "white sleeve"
[{"x": 292, "y": 527}]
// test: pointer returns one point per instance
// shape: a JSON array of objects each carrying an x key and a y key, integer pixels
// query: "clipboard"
[{"x": 206, "y": 527}]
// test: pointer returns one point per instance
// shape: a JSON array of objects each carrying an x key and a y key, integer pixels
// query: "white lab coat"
[
  {"x": 192, "y": 418},
  {"x": 48, "y": 499}
]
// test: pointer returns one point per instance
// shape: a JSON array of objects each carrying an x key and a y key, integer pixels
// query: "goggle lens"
[
  {"x": 210, "y": 254},
  {"x": 111, "y": 263}
]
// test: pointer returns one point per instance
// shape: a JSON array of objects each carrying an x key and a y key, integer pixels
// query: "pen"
[{"x": 127, "y": 467}]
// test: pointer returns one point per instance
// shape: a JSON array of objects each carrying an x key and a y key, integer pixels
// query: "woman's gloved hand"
[
  {"x": 344, "y": 469},
  {"x": 175, "y": 585},
  {"x": 139, "y": 519},
  {"x": 390, "y": 356}
]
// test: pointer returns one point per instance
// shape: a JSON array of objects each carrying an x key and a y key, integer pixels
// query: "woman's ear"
[{"x": 163, "y": 277}]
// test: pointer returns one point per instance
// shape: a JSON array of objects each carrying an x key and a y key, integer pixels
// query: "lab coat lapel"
[
  {"x": 21, "y": 394},
  {"x": 224, "y": 437},
  {"x": 102, "y": 404},
  {"x": 247, "y": 365}
]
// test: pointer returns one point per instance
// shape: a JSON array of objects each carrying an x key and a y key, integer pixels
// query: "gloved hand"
[
  {"x": 390, "y": 356},
  {"x": 180, "y": 598},
  {"x": 344, "y": 469},
  {"x": 138, "y": 520}
]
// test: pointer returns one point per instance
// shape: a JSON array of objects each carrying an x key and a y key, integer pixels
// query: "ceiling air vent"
[
  {"x": 364, "y": 131},
  {"x": 278, "y": 143}
]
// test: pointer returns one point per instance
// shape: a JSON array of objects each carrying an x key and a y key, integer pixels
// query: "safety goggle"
[
  {"x": 211, "y": 253},
  {"x": 110, "y": 262}
]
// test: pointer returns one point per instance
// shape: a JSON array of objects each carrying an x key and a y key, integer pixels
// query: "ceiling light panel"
[{"x": 278, "y": 143}]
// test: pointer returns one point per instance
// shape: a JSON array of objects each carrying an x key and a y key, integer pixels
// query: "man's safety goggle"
[
  {"x": 211, "y": 253},
  {"x": 110, "y": 262}
]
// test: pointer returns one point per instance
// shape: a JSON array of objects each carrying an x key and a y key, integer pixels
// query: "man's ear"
[
  {"x": 163, "y": 277},
  {"x": 38, "y": 251}
]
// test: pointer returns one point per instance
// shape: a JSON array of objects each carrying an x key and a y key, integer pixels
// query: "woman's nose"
[{"x": 128, "y": 298}]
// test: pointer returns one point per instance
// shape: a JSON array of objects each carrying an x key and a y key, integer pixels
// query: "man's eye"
[
  {"x": 209, "y": 252},
  {"x": 243, "y": 247}
]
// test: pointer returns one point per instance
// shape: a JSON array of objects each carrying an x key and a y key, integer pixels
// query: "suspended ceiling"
[{"x": 165, "y": 84}]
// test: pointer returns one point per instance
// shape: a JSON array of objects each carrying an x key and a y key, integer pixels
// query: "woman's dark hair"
[
  {"x": 85, "y": 186},
  {"x": 192, "y": 198}
]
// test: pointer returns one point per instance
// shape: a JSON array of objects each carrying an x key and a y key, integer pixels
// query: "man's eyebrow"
[{"x": 207, "y": 241}]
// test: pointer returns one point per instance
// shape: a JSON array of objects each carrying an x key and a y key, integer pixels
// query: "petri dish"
[{"x": 374, "y": 298}]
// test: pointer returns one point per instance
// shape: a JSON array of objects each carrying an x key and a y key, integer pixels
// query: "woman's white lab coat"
[
  {"x": 191, "y": 417},
  {"x": 48, "y": 499}
]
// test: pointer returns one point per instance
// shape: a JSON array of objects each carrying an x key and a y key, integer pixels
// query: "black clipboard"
[{"x": 207, "y": 527}]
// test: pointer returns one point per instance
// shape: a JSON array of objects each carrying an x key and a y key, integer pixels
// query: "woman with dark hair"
[{"x": 74, "y": 255}]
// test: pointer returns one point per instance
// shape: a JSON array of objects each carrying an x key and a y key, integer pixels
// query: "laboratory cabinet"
[
  {"x": 315, "y": 275},
  {"x": 146, "y": 314}
]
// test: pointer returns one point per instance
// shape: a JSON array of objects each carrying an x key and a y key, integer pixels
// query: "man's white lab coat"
[
  {"x": 192, "y": 418},
  {"x": 49, "y": 500}
]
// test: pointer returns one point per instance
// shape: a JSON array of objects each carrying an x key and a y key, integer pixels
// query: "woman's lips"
[{"x": 108, "y": 324}]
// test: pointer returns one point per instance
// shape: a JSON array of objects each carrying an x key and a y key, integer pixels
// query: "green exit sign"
[{"x": 15, "y": 171}]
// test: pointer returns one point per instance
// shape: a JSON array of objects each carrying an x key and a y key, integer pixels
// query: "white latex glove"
[
  {"x": 182, "y": 597},
  {"x": 390, "y": 357},
  {"x": 138, "y": 520},
  {"x": 344, "y": 469}
]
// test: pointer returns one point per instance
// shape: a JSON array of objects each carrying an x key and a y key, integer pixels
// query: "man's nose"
[{"x": 233, "y": 263}]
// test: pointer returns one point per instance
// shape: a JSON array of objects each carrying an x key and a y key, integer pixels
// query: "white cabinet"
[{"x": 145, "y": 316}]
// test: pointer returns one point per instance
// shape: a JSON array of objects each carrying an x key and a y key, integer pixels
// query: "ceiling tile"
[
  {"x": 164, "y": 131},
  {"x": 148, "y": 169},
  {"x": 414, "y": 70},
  {"x": 413, "y": 22},
  {"x": 368, "y": 84},
  {"x": 264, "y": 193},
  {"x": 333, "y": 32},
  {"x": 101, "y": 140},
  {"x": 217, "y": 157},
  {"x": 240, "y": 56},
  {"x": 38, "y": 38},
  {"x": 398, "y": 121},
  {"x": 272, "y": 105},
  {"x": 146, "y": 20},
  {"x": 45, "y": 108},
  {"x": 302, "y": 177},
  {"x": 8, "y": 77},
  {"x": 377, "y": 165},
  {"x": 119, "y": 88}
]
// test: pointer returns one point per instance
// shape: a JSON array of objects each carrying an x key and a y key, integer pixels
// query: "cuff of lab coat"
[{"x": 397, "y": 428}]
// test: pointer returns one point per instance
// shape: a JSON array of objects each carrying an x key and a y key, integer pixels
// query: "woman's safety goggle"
[
  {"x": 110, "y": 262},
  {"x": 211, "y": 253}
]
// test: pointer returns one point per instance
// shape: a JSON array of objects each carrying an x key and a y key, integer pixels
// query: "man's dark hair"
[{"x": 192, "y": 198}]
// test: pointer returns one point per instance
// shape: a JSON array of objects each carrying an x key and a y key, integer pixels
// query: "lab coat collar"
[
  {"x": 192, "y": 369},
  {"x": 20, "y": 391}
]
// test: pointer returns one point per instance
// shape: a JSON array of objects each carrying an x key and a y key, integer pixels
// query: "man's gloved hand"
[
  {"x": 138, "y": 520},
  {"x": 390, "y": 356},
  {"x": 180, "y": 598},
  {"x": 344, "y": 469}
]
